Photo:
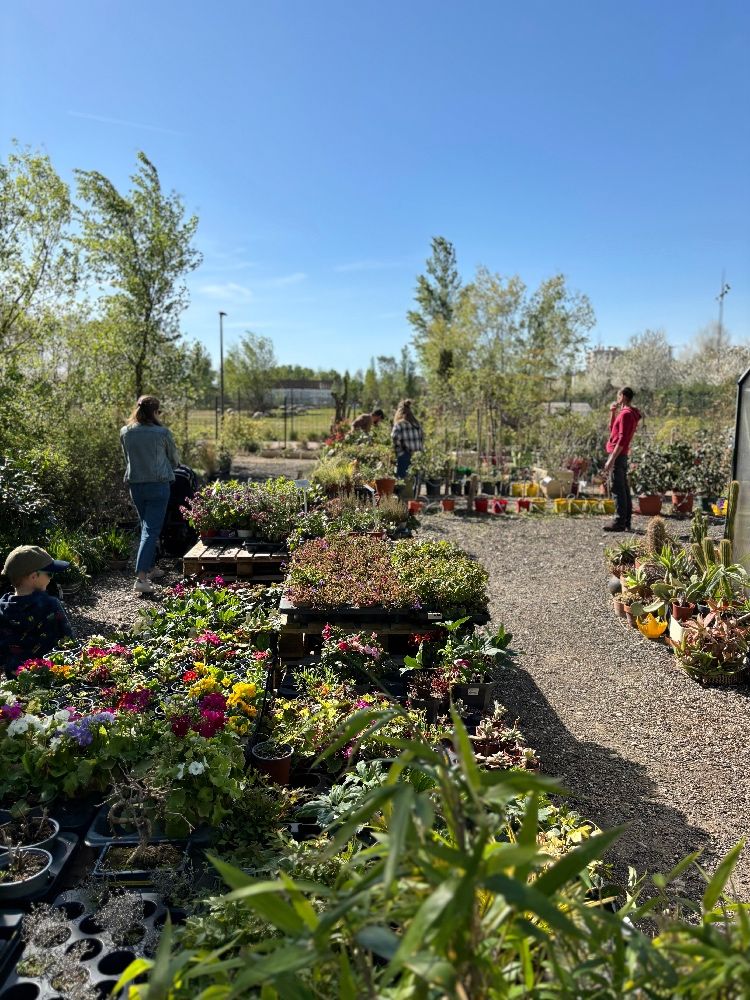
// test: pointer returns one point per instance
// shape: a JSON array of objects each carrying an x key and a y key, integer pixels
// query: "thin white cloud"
[
  {"x": 121, "y": 121},
  {"x": 369, "y": 265},
  {"x": 228, "y": 290},
  {"x": 285, "y": 279}
]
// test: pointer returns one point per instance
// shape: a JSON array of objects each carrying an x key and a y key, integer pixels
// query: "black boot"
[{"x": 615, "y": 526}]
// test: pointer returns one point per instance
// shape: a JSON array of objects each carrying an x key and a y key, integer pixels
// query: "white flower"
[
  {"x": 62, "y": 716},
  {"x": 197, "y": 767},
  {"x": 35, "y": 721},
  {"x": 18, "y": 726},
  {"x": 180, "y": 771},
  {"x": 55, "y": 742}
]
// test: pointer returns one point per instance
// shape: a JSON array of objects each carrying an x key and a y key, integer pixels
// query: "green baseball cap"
[{"x": 25, "y": 559}]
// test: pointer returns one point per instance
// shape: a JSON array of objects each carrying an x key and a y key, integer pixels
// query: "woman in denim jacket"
[{"x": 151, "y": 458}]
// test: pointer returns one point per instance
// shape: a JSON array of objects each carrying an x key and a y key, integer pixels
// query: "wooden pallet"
[
  {"x": 297, "y": 641},
  {"x": 234, "y": 562}
]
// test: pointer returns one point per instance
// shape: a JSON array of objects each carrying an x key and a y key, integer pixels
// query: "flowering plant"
[
  {"x": 353, "y": 656},
  {"x": 328, "y": 573}
]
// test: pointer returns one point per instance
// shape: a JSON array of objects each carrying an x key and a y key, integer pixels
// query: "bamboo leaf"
[
  {"x": 575, "y": 861},
  {"x": 715, "y": 887},
  {"x": 526, "y": 898}
]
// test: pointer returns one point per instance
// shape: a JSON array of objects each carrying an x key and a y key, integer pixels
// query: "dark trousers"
[{"x": 621, "y": 491}]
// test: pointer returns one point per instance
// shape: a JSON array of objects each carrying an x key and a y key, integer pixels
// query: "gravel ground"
[{"x": 634, "y": 740}]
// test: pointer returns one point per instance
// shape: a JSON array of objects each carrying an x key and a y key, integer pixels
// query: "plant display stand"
[{"x": 255, "y": 562}]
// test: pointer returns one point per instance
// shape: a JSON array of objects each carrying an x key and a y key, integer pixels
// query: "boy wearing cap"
[{"x": 31, "y": 621}]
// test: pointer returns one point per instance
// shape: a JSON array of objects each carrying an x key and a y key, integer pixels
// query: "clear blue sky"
[{"x": 323, "y": 144}]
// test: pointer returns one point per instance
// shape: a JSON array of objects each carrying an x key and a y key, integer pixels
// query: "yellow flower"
[
  {"x": 226, "y": 682},
  {"x": 200, "y": 667},
  {"x": 206, "y": 685}
]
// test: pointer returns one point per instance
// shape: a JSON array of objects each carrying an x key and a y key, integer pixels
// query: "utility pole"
[
  {"x": 221, "y": 362},
  {"x": 720, "y": 299}
]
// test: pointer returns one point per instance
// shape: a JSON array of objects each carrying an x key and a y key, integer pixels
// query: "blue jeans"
[
  {"x": 403, "y": 461},
  {"x": 151, "y": 500}
]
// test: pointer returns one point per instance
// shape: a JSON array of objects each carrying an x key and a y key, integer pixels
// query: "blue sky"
[{"x": 323, "y": 144}]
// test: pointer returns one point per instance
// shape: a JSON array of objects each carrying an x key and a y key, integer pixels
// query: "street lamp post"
[{"x": 221, "y": 363}]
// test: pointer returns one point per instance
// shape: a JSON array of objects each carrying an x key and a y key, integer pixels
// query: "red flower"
[
  {"x": 189, "y": 676},
  {"x": 343, "y": 646},
  {"x": 209, "y": 724},
  {"x": 180, "y": 725},
  {"x": 213, "y": 702},
  {"x": 135, "y": 701}
]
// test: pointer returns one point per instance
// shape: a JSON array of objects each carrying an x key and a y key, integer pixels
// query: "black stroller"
[{"x": 176, "y": 534}]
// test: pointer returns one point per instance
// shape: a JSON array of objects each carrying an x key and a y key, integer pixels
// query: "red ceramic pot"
[
  {"x": 650, "y": 505},
  {"x": 480, "y": 505}
]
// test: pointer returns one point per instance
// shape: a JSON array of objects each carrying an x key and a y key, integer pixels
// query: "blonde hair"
[
  {"x": 145, "y": 411},
  {"x": 403, "y": 412}
]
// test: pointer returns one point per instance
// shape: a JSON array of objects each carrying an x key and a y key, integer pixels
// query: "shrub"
[{"x": 26, "y": 514}]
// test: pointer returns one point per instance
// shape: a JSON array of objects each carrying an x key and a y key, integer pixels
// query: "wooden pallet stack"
[{"x": 234, "y": 561}]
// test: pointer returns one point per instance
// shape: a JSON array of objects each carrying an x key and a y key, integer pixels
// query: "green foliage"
[
  {"x": 26, "y": 515},
  {"x": 465, "y": 892},
  {"x": 139, "y": 246},
  {"x": 248, "y": 370}
]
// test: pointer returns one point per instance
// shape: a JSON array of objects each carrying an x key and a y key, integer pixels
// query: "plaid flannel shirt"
[{"x": 407, "y": 437}]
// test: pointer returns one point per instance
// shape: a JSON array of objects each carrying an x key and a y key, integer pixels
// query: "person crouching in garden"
[
  {"x": 150, "y": 460},
  {"x": 31, "y": 620},
  {"x": 366, "y": 421},
  {"x": 406, "y": 435},
  {"x": 623, "y": 421}
]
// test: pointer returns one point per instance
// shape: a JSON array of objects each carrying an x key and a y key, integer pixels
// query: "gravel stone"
[{"x": 629, "y": 734}]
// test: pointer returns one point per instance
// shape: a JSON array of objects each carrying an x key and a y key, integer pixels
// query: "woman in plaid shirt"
[{"x": 406, "y": 435}]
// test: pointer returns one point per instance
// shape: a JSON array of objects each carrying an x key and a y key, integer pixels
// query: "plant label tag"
[{"x": 473, "y": 691}]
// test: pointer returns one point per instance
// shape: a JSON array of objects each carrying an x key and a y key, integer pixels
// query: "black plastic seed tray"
[
  {"x": 106, "y": 961},
  {"x": 137, "y": 878},
  {"x": 10, "y": 940},
  {"x": 99, "y": 834},
  {"x": 61, "y": 851}
]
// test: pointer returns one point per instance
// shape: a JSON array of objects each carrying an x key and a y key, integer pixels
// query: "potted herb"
[
  {"x": 273, "y": 759},
  {"x": 23, "y": 871}
]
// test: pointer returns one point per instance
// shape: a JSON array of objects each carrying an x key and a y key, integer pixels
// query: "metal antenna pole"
[
  {"x": 221, "y": 361},
  {"x": 720, "y": 299}
]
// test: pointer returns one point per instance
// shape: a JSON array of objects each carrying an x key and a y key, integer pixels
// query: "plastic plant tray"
[
  {"x": 137, "y": 878},
  {"x": 10, "y": 940},
  {"x": 104, "y": 966},
  {"x": 99, "y": 834},
  {"x": 61, "y": 852}
]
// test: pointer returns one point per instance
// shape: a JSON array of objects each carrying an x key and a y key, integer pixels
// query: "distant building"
[{"x": 302, "y": 392}]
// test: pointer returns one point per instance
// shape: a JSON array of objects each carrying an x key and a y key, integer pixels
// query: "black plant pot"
[
  {"x": 457, "y": 489},
  {"x": 433, "y": 487}
]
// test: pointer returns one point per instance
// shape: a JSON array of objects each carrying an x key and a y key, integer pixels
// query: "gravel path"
[
  {"x": 633, "y": 738},
  {"x": 629, "y": 734}
]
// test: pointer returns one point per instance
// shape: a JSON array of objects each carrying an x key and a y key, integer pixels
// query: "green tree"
[
  {"x": 37, "y": 264},
  {"x": 437, "y": 296},
  {"x": 250, "y": 368},
  {"x": 139, "y": 246}
]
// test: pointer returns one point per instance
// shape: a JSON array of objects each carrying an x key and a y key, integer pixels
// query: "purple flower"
[{"x": 11, "y": 712}]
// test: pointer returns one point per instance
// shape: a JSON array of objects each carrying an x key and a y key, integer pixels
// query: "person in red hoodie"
[{"x": 623, "y": 421}]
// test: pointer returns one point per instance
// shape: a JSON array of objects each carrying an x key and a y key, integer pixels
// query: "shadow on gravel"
[{"x": 605, "y": 788}]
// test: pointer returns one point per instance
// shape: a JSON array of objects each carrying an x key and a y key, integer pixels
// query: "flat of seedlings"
[{"x": 632, "y": 737}]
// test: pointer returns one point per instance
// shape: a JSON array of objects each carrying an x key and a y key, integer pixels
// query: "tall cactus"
[
  {"x": 725, "y": 552},
  {"x": 698, "y": 556},
  {"x": 657, "y": 536},
  {"x": 709, "y": 552},
  {"x": 698, "y": 527},
  {"x": 733, "y": 495}
]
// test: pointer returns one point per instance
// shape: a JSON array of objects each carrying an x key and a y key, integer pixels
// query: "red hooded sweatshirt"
[{"x": 622, "y": 428}]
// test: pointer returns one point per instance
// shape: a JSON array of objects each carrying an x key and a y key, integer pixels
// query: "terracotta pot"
[
  {"x": 682, "y": 503},
  {"x": 650, "y": 505},
  {"x": 480, "y": 505},
  {"x": 415, "y": 506},
  {"x": 631, "y": 619},
  {"x": 681, "y": 612},
  {"x": 277, "y": 768},
  {"x": 619, "y": 608},
  {"x": 385, "y": 486},
  {"x": 210, "y": 533},
  {"x": 448, "y": 503},
  {"x": 523, "y": 504}
]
